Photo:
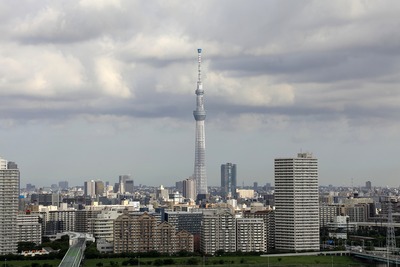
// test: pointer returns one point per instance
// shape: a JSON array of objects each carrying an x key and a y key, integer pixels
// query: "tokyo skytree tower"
[{"x": 199, "y": 114}]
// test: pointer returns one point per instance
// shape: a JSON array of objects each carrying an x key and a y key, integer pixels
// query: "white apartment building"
[
  {"x": 9, "y": 193},
  {"x": 218, "y": 231},
  {"x": 102, "y": 226},
  {"x": 29, "y": 229},
  {"x": 250, "y": 234},
  {"x": 327, "y": 213},
  {"x": 245, "y": 193},
  {"x": 297, "y": 203},
  {"x": 55, "y": 220}
]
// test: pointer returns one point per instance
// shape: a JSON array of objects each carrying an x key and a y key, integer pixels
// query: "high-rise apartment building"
[
  {"x": 29, "y": 228},
  {"x": 327, "y": 213},
  {"x": 123, "y": 231},
  {"x": 218, "y": 231},
  {"x": 228, "y": 180},
  {"x": 102, "y": 226},
  {"x": 268, "y": 215},
  {"x": 297, "y": 203},
  {"x": 9, "y": 188},
  {"x": 200, "y": 175},
  {"x": 189, "y": 221},
  {"x": 250, "y": 234}
]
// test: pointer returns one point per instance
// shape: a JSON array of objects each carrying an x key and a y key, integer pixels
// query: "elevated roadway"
[{"x": 74, "y": 255}]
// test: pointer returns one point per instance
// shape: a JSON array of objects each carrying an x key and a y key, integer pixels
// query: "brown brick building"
[{"x": 143, "y": 234}]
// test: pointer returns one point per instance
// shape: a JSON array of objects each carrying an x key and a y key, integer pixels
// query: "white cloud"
[
  {"x": 47, "y": 23},
  {"x": 164, "y": 46},
  {"x": 100, "y": 4},
  {"x": 110, "y": 79},
  {"x": 39, "y": 71},
  {"x": 254, "y": 91}
]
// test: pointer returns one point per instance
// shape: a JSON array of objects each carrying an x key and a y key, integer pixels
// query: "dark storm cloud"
[{"x": 315, "y": 66}]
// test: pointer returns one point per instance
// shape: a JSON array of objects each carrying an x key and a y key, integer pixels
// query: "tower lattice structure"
[
  {"x": 390, "y": 235},
  {"x": 199, "y": 114}
]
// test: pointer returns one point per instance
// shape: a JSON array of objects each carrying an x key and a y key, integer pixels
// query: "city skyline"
[{"x": 95, "y": 89}]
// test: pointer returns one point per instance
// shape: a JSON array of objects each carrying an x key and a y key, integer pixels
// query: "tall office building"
[
  {"x": 199, "y": 114},
  {"x": 9, "y": 188},
  {"x": 63, "y": 185},
  {"x": 296, "y": 203},
  {"x": 368, "y": 185},
  {"x": 189, "y": 189},
  {"x": 99, "y": 188},
  {"x": 90, "y": 188},
  {"x": 228, "y": 180},
  {"x": 122, "y": 183},
  {"x": 129, "y": 186}
]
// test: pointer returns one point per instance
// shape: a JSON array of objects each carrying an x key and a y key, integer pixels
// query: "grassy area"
[
  {"x": 30, "y": 263},
  {"x": 232, "y": 261}
]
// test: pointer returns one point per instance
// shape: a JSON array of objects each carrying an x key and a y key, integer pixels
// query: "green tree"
[
  {"x": 168, "y": 261},
  {"x": 158, "y": 262},
  {"x": 219, "y": 252},
  {"x": 91, "y": 251},
  {"x": 192, "y": 261},
  {"x": 26, "y": 246}
]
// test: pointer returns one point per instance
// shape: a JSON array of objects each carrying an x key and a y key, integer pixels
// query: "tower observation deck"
[{"x": 199, "y": 114}]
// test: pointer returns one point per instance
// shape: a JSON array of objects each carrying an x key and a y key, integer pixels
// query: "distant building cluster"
[{"x": 125, "y": 218}]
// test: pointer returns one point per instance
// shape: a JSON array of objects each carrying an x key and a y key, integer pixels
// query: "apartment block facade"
[
  {"x": 250, "y": 234},
  {"x": 9, "y": 187},
  {"x": 29, "y": 228},
  {"x": 144, "y": 233},
  {"x": 297, "y": 203},
  {"x": 218, "y": 231}
]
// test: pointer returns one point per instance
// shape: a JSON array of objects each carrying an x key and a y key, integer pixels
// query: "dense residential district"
[{"x": 294, "y": 215}]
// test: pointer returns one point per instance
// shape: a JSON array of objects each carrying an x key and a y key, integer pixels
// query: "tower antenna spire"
[
  {"x": 199, "y": 66},
  {"x": 199, "y": 114}
]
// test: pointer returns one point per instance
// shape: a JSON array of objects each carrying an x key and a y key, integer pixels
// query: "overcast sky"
[{"x": 93, "y": 89}]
